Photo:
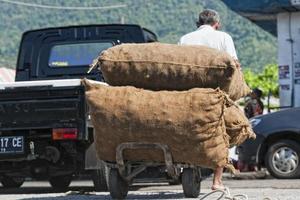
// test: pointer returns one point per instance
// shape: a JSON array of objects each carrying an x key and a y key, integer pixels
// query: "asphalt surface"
[{"x": 272, "y": 189}]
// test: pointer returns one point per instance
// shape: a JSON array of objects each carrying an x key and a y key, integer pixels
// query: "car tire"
[
  {"x": 60, "y": 183},
  {"x": 282, "y": 159},
  {"x": 100, "y": 178},
  {"x": 12, "y": 182}
]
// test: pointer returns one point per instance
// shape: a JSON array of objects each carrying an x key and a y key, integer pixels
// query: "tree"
[{"x": 267, "y": 80}]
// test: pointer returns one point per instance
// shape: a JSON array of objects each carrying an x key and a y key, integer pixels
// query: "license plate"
[{"x": 11, "y": 144}]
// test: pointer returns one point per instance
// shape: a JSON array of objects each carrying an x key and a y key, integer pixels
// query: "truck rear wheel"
[
  {"x": 100, "y": 177},
  {"x": 191, "y": 181},
  {"x": 60, "y": 182},
  {"x": 12, "y": 182},
  {"x": 118, "y": 187}
]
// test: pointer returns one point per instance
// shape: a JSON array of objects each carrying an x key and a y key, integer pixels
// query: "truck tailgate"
[{"x": 43, "y": 104}]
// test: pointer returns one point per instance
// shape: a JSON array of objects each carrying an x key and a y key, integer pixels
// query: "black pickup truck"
[{"x": 45, "y": 131}]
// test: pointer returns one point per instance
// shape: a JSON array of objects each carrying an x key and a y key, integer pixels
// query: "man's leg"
[{"x": 217, "y": 181}]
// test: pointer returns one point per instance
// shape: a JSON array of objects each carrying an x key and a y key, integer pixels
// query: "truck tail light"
[{"x": 64, "y": 133}]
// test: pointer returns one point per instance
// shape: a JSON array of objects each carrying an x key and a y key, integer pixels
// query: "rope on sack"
[{"x": 226, "y": 195}]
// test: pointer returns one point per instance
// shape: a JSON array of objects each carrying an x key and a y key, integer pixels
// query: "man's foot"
[{"x": 218, "y": 187}]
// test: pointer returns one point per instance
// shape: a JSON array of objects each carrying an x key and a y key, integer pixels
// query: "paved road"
[{"x": 255, "y": 189}]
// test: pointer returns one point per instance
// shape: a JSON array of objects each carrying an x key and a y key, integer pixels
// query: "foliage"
[
  {"x": 267, "y": 80},
  {"x": 170, "y": 19}
]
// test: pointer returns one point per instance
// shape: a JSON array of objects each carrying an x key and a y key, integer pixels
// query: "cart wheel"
[
  {"x": 191, "y": 181},
  {"x": 118, "y": 187}
]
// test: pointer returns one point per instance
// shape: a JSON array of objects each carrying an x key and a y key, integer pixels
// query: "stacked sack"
[{"x": 179, "y": 103}]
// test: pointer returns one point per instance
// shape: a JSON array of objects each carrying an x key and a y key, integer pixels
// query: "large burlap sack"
[
  {"x": 158, "y": 66},
  {"x": 191, "y": 123},
  {"x": 237, "y": 125}
]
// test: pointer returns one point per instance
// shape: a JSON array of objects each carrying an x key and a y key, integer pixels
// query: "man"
[{"x": 207, "y": 34}]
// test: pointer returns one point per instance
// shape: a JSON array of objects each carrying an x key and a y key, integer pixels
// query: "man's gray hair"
[{"x": 208, "y": 16}]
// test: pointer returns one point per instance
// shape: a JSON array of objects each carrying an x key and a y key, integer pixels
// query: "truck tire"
[
  {"x": 118, "y": 187},
  {"x": 282, "y": 159},
  {"x": 60, "y": 183},
  {"x": 100, "y": 177},
  {"x": 12, "y": 182},
  {"x": 191, "y": 182}
]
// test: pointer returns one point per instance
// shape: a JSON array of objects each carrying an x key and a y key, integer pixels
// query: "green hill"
[{"x": 168, "y": 18}]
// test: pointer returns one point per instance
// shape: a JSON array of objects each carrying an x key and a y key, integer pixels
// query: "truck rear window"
[{"x": 72, "y": 55}]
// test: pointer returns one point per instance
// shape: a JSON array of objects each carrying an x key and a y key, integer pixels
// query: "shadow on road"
[
  {"x": 86, "y": 193},
  {"x": 160, "y": 195},
  {"x": 41, "y": 190},
  {"x": 47, "y": 189}
]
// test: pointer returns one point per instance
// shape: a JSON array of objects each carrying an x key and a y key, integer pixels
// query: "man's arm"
[
  {"x": 230, "y": 49},
  {"x": 229, "y": 46}
]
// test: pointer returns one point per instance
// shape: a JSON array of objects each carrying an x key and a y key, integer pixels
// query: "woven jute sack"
[
  {"x": 158, "y": 66},
  {"x": 237, "y": 125},
  {"x": 190, "y": 123}
]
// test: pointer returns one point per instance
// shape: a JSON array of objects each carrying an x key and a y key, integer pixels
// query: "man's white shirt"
[{"x": 208, "y": 36}]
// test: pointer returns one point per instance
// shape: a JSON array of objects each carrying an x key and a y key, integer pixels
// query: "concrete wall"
[{"x": 288, "y": 27}]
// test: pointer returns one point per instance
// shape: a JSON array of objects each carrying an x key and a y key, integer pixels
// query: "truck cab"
[{"x": 45, "y": 132}]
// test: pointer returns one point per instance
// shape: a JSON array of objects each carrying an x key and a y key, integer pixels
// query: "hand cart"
[{"x": 122, "y": 173}]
